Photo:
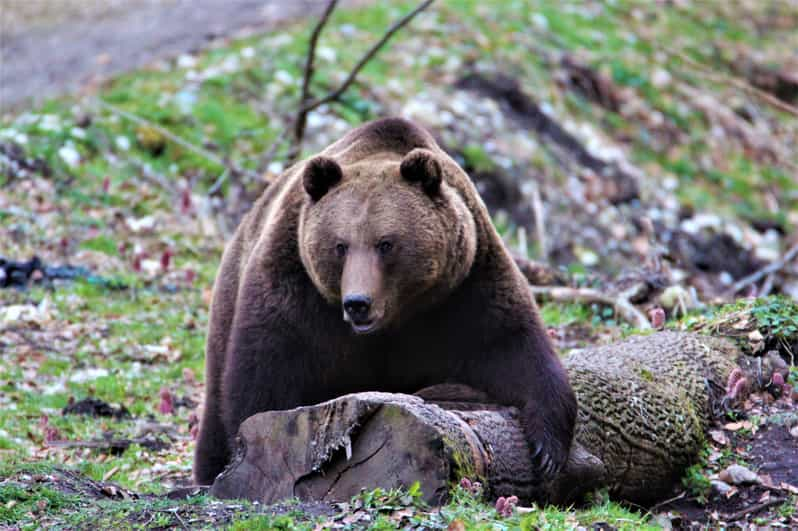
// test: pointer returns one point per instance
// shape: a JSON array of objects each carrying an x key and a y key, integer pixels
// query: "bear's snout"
[{"x": 357, "y": 308}]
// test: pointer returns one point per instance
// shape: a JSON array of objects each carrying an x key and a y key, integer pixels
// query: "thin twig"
[
  {"x": 335, "y": 94},
  {"x": 740, "y": 84},
  {"x": 537, "y": 211},
  {"x": 663, "y": 503},
  {"x": 753, "y": 509},
  {"x": 147, "y": 173},
  {"x": 217, "y": 184},
  {"x": 30, "y": 341},
  {"x": 301, "y": 119},
  {"x": 306, "y": 106},
  {"x": 176, "y": 512},
  {"x": 767, "y": 270},
  {"x": 174, "y": 138},
  {"x": 621, "y": 304}
]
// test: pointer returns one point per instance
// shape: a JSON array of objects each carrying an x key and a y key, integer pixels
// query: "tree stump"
[{"x": 332, "y": 450}]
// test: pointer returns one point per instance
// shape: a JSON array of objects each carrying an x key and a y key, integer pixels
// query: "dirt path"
[{"x": 48, "y": 47}]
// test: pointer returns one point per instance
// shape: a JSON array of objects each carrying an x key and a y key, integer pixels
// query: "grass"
[
  {"x": 28, "y": 504},
  {"x": 125, "y": 345}
]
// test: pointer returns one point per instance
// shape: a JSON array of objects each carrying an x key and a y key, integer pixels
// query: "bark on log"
[{"x": 332, "y": 450}]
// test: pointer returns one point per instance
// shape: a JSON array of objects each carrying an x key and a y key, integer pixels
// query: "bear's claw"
[{"x": 546, "y": 463}]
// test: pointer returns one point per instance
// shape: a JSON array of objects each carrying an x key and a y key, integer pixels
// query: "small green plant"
[
  {"x": 476, "y": 158},
  {"x": 268, "y": 523},
  {"x": 777, "y": 317},
  {"x": 18, "y": 504},
  {"x": 788, "y": 509},
  {"x": 697, "y": 483}
]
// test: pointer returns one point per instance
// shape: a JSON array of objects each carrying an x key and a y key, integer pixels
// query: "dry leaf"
[{"x": 719, "y": 437}]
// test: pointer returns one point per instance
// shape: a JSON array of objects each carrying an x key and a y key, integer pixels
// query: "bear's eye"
[
  {"x": 384, "y": 247},
  {"x": 340, "y": 250}
]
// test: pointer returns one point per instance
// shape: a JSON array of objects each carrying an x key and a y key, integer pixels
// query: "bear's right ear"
[
  {"x": 420, "y": 165},
  {"x": 320, "y": 174}
]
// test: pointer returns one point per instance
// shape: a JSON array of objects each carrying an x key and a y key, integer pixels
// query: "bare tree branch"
[
  {"x": 767, "y": 270},
  {"x": 719, "y": 77},
  {"x": 335, "y": 94},
  {"x": 307, "y": 106},
  {"x": 302, "y": 115}
]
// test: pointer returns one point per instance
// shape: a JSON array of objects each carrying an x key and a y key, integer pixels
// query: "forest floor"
[{"x": 621, "y": 143}]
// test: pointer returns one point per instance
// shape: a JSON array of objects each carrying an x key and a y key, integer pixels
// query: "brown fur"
[{"x": 385, "y": 213}]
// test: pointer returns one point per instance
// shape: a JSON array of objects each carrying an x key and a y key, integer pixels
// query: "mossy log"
[{"x": 644, "y": 406}]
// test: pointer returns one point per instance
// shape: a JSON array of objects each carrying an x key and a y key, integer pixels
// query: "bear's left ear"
[
  {"x": 320, "y": 174},
  {"x": 421, "y": 165}
]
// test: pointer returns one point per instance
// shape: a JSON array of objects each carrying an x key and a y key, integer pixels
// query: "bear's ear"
[
  {"x": 319, "y": 175},
  {"x": 421, "y": 165}
]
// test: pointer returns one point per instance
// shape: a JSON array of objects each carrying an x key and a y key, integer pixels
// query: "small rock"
[
  {"x": 769, "y": 248},
  {"x": 721, "y": 488},
  {"x": 664, "y": 520},
  {"x": 719, "y": 436},
  {"x": 186, "y": 61},
  {"x": 660, "y": 78},
  {"x": 794, "y": 431},
  {"x": 738, "y": 475},
  {"x": 69, "y": 155}
]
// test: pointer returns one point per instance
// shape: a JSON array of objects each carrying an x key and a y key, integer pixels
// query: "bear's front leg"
[
  {"x": 265, "y": 371},
  {"x": 529, "y": 376}
]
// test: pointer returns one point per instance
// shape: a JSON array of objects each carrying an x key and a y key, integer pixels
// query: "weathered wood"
[{"x": 332, "y": 450}]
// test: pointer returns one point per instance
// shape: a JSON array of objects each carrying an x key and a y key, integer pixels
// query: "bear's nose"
[{"x": 357, "y": 307}]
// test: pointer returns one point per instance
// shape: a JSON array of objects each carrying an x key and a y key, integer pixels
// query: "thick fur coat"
[{"x": 374, "y": 266}]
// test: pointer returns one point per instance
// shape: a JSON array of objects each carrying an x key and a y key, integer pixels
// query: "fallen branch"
[
  {"x": 620, "y": 302},
  {"x": 764, "y": 145},
  {"x": 540, "y": 273},
  {"x": 738, "y": 83},
  {"x": 307, "y": 106},
  {"x": 769, "y": 269},
  {"x": 146, "y": 172},
  {"x": 663, "y": 503},
  {"x": 116, "y": 446},
  {"x": 753, "y": 509},
  {"x": 176, "y": 139}
]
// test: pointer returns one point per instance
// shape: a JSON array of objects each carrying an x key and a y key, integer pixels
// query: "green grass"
[{"x": 235, "y": 104}]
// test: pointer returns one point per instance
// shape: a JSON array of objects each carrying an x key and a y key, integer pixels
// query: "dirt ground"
[{"x": 48, "y": 47}]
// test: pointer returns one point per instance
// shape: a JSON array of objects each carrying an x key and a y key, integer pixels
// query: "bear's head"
[{"x": 384, "y": 238}]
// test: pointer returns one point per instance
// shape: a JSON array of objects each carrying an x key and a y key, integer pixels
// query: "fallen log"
[
  {"x": 644, "y": 405},
  {"x": 332, "y": 450}
]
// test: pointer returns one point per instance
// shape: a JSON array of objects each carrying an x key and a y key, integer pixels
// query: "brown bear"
[{"x": 374, "y": 266}]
